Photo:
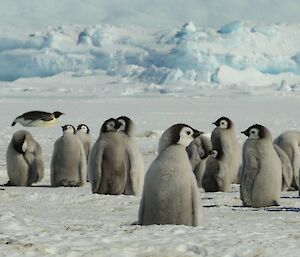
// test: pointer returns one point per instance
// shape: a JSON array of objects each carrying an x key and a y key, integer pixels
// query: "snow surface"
[{"x": 160, "y": 63}]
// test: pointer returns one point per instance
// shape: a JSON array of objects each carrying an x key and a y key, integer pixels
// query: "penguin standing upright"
[
  {"x": 24, "y": 160},
  {"x": 107, "y": 163},
  {"x": 68, "y": 163},
  {"x": 83, "y": 132},
  {"x": 198, "y": 151},
  {"x": 214, "y": 178},
  {"x": 135, "y": 161},
  {"x": 223, "y": 138},
  {"x": 38, "y": 119},
  {"x": 171, "y": 194},
  {"x": 261, "y": 175},
  {"x": 287, "y": 169},
  {"x": 289, "y": 142}
]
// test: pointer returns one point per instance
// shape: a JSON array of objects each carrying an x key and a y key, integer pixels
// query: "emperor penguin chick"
[
  {"x": 68, "y": 163},
  {"x": 198, "y": 151},
  {"x": 83, "y": 132},
  {"x": 215, "y": 177},
  {"x": 289, "y": 142},
  {"x": 24, "y": 160},
  {"x": 224, "y": 139},
  {"x": 261, "y": 175},
  {"x": 171, "y": 194},
  {"x": 135, "y": 161},
  {"x": 287, "y": 169},
  {"x": 107, "y": 163}
]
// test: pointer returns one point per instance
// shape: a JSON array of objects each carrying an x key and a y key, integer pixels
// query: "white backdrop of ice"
[{"x": 267, "y": 54}]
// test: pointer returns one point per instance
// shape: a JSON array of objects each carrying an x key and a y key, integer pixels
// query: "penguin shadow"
[
  {"x": 285, "y": 209},
  {"x": 290, "y": 197},
  {"x": 43, "y": 186},
  {"x": 10, "y": 185}
]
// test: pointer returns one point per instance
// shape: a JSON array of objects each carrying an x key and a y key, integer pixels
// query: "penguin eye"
[
  {"x": 188, "y": 132},
  {"x": 252, "y": 132}
]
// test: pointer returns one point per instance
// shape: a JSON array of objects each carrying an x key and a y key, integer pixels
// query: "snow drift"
[{"x": 241, "y": 53}]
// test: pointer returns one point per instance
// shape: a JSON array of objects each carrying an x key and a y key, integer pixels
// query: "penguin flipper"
[
  {"x": 196, "y": 204},
  {"x": 83, "y": 167},
  {"x": 206, "y": 146},
  {"x": 135, "y": 168},
  {"x": 95, "y": 166},
  {"x": 248, "y": 178},
  {"x": 141, "y": 211},
  {"x": 215, "y": 139},
  {"x": 32, "y": 174}
]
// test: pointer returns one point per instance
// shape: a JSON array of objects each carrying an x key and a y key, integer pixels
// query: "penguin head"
[
  {"x": 84, "y": 128},
  {"x": 223, "y": 123},
  {"x": 68, "y": 129},
  {"x": 181, "y": 134},
  {"x": 110, "y": 125},
  {"x": 22, "y": 141},
  {"x": 57, "y": 114},
  {"x": 256, "y": 131},
  {"x": 127, "y": 125},
  {"x": 217, "y": 154}
]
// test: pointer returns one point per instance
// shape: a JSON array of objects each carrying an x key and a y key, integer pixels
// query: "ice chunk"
[{"x": 231, "y": 27}]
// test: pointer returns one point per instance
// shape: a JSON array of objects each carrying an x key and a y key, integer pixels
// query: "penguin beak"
[
  {"x": 197, "y": 133},
  {"x": 214, "y": 123},
  {"x": 245, "y": 133},
  {"x": 118, "y": 124}
]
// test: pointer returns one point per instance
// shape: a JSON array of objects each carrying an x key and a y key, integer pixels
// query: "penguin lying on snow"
[
  {"x": 37, "y": 119},
  {"x": 171, "y": 194},
  {"x": 24, "y": 160}
]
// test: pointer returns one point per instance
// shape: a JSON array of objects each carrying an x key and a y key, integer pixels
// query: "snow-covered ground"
[{"x": 158, "y": 62}]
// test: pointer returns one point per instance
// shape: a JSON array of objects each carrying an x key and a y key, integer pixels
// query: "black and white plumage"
[
  {"x": 68, "y": 163},
  {"x": 24, "y": 160},
  {"x": 171, "y": 194},
  {"x": 38, "y": 119},
  {"x": 135, "y": 161},
  {"x": 289, "y": 142},
  {"x": 107, "y": 169},
  {"x": 224, "y": 138},
  {"x": 261, "y": 175},
  {"x": 198, "y": 151}
]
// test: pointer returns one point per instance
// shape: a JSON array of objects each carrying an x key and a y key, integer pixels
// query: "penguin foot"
[{"x": 8, "y": 184}]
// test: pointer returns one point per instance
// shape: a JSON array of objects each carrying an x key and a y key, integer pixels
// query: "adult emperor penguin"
[
  {"x": 289, "y": 142},
  {"x": 68, "y": 163},
  {"x": 224, "y": 139},
  {"x": 107, "y": 163},
  {"x": 24, "y": 160},
  {"x": 135, "y": 161},
  {"x": 37, "y": 119},
  {"x": 171, "y": 194},
  {"x": 261, "y": 175},
  {"x": 287, "y": 169},
  {"x": 215, "y": 177},
  {"x": 198, "y": 151}
]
